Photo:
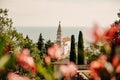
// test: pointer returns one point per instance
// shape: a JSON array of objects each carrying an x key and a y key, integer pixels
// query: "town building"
[
  {"x": 64, "y": 42},
  {"x": 59, "y": 39}
]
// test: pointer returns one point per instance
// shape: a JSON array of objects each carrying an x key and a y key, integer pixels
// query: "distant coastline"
[{"x": 50, "y": 32}]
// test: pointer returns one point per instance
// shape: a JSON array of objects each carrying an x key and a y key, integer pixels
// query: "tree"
[
  {"x": 7, "y": 61},
  {"x": 10, "y": 40},
  {"x": 41, "y": 46},
  {"x": 48, "y": 44},
  {"x": 72, "y": 50},
  {"x": 80, "y": 49},
  {"x": 11, "y": 43},
  {"x": 27, "y": 43},
  {"x": 118, "y": 14},
  {"x": 40, "y": 42}
]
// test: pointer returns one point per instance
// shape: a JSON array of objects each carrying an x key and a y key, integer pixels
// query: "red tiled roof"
[{"x": 66, "y": 39}]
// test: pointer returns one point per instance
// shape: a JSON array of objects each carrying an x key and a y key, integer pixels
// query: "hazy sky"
[{"x": 69, "y": 12}]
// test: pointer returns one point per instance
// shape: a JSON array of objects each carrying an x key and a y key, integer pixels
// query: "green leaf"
[
  {"x": 43, "y": 71},
  {"x": 3, "y": 60},
  {"x": 11, "y": 63},
  {"x": 2, "y": 45}
]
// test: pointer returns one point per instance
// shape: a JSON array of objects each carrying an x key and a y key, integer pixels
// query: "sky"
[{"x": 70, "y": 12}]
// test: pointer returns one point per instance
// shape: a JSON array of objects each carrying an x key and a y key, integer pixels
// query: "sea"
[{"x": 49, "y": 32}]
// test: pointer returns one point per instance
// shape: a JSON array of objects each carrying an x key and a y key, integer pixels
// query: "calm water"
[{"x": 50, "y": 32}]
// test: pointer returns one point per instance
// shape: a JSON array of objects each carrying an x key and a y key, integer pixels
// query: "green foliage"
[
  {"x": 48, "y": 44},
  {"x": 103, "y": 50},
  {"x": 7, "y": 61},
  {"x": 80, "y": 49},
  {"x": 40, "y": 42},
  {"x": 92, "y": 58},
  {"x": 35, "y": 53},
  {"x": 92, "y": 52},
  {"x": 119, "y": 14},
  {"x": 28, "y": 43},
  {"x": 80, "y": 40},
  {"x": 2, "y": 45},
  {"x": 72, "y": 50},
  {"x": 12, "y": 62},
  {"x": 9, "y": 36},
  {"x": 41, "y": 46},
  {"x": 5, "y": 22},
  {"x": 46, "y": 72}
]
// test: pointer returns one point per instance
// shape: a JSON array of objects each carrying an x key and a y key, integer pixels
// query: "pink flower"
[
  {"x": 47, "y": 60},
  {"x": 98, "y": 33},
  {"x": 51, "y": 52},
  {"x": 55, "y": 51},
  {"x": 118, "y": 69},
  {"x": 25, "y": 52},
  {"x": 95, "y": 65},
  {"x": 68, "y": 70},
  {"x": 14, "y": 76},
  {"x": 116, "y": 60},
  {"x": 72, "y": 69},
  {"x": 110, "y": 33},
  {"x": 26, "y": 61},
  {"x": 64, "y": 70}
]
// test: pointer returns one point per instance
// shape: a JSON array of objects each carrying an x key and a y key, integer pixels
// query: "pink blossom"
[
  {"x": 26, "y": 61},
  {"x": 72, "y": 69},
  {"x": 64, "y": 70},
  {"x": 116, "y": 60},
  {"x": 47, "y": 60},
  {"x": 55, "y": 51},
  {"x": 68, "y": 70},
  {"x": 110, "y": 33},
  {"x": 118, "y": 69},
  {"x": 14, "y": 76},
  {"x": 98, "y": 33}
]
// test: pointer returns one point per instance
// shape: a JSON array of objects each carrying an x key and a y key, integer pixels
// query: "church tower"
[{"x": 59, "y": 34}]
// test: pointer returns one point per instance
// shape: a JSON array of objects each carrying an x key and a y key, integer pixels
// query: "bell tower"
[{"x": 59, "y": 34}]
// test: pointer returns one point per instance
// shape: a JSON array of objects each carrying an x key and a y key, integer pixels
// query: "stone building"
[
  {"x": 59, "y": 40},
  {"x": 64, "y": 42}
]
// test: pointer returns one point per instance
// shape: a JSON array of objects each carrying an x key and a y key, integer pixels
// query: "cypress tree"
[
  {"x": 80, "y": 49},
  {"x": 41, "y": 46},
  {"x": 40, "y": 43},
  {"x": 72, "y": 50}
]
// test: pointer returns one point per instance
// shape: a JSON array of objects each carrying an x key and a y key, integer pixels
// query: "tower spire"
[
  {"x": 59, "y": 22},
  {"x": 59, "y": 34},
  {"x": 59, "y": 27}
]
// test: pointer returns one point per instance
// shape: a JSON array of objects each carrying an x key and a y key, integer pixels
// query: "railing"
[{"x": 83, "y": 74}]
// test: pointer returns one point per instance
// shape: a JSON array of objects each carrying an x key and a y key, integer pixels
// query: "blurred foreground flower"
[
  {"x": 113, "y": 34},
  {"x": 26, "y": 61},
  {"x": 14, "y": 76},
  {"x": 110, "y": 33},
  {"x": 102, "y": 69},
  {"x": 68, "y": 70},
  {"x": 47, "y": 60},
  {"x": 116, "y": 63},
  {"x": 55, "y": 51},
  {"x": 98, "y": 33}
]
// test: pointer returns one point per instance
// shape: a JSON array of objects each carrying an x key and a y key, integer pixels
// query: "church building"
[
  {"x": 64, "y": 42},
  {"x": 59, "y": 40}
]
